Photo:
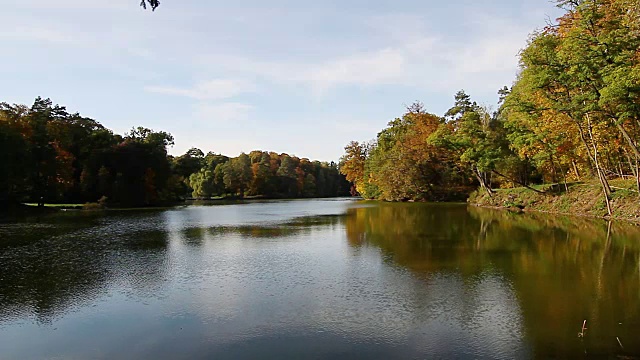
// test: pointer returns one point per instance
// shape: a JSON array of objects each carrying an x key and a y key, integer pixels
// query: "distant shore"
[{"x": 32, "y": 209}]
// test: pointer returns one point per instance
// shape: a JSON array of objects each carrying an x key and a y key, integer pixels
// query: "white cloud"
[
  {"x": 489, "y": 56},
  {"x": 383, "y": 66},
  {"x": 422, "y": 62},
  {"x": 222, "y": 113},
  {"x": 380, "y": 67},
  {"x": 43, "y": 34},
  {"x": 208, "y": 90},
  {"x": 75, "y": 5},
  {"x": 397, "y": 26}
]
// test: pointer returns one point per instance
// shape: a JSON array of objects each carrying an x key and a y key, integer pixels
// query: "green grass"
[
  {"x": 60, "y": 206},
  {"x": 583, "y": 198}
]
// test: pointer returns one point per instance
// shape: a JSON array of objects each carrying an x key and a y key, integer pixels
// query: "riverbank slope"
[{"x": 582, "y": 199}]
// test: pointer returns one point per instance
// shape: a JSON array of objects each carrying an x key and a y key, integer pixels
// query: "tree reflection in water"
[{"x": 562, "y": 269}]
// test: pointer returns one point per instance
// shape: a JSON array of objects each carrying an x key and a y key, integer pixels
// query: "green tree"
[
  {"x": 309, "y": 189},
  {"x": 203, "y": 184},
  {"x": 191, "y": 162},
  {"x": 471, "y": 135},
  {"x": 287, "y": 177},
  {"x": 238, "y": 174}
]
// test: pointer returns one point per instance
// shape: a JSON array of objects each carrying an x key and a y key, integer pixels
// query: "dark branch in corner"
[{"x": 153, "y": 3}]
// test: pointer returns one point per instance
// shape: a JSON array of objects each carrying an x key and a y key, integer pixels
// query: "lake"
[{"x": 316, "y": 279}]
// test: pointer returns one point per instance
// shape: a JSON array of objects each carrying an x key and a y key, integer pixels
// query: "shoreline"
[
  {"x": 534, "y": 211},
  {"x": 28, "y": 209},
  {"x": 582, "y": 200}
]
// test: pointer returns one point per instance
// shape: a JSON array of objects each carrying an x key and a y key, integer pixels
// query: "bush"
[{"x": 101, "y": 204}]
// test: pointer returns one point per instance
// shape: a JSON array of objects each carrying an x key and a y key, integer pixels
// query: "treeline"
[
  {"x": 573, "y": 113},
  {"x": 262, "y": 173},
  {"x": 422, "y": 156},
  {"x": 50, "y": 155}
]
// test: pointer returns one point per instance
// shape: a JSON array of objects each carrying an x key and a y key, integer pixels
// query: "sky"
[{"x": 299, "y": 77}]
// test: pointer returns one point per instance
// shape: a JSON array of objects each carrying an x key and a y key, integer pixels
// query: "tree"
[
  {"x": 262, "y": 182},
  {"x": 192, "y": 161},
  {"x": 238, "y": 174},
  {"x": 203, "y": 183},
  {"x": 14, "y": 154},
  {"x": 401, "y": 164},
  {"x": 584, "y": 70},
  {"x": 352, "y": 165},
  {"x": 49, "y": 154},
  {"x": 461, "y": 106},
  {"x": 309, "y": 189},
  {"x": 287, "y": 177}
]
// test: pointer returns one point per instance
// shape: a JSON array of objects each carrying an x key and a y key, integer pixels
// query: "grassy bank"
[
  {"x": 58, "y": 206},
  {"x": 582, "y": 199}
]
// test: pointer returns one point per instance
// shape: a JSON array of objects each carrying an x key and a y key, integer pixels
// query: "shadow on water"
[{"x": 563, "y": 269}]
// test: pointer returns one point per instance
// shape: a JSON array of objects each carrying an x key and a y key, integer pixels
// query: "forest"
[
  {"x": 572, "y": 114},
  {"x": 48, "y": 155}
]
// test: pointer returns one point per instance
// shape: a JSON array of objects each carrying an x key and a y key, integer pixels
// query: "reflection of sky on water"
[
  {"x": 256, "y": 288},
  {"x": 190, "y": 291},
  {"x": 253, "y": 213}
]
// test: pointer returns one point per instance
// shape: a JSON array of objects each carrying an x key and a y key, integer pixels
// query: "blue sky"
[{"x": 299, "y": 77}]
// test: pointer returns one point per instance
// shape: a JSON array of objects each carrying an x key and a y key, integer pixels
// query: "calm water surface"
[{"x": 318, "y": 279}]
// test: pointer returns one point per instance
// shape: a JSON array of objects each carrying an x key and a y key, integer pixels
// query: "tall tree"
[
  {"x": 352, "y": 165},
  {"x": 238, "y": 174}
]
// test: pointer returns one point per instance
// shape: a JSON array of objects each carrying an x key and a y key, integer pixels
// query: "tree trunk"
[
  {"x": 564, "y": 178},
  {"x": 626, "y": 135},
  {"x": 606, "y": 190},
  {"x": 518, "y": 182},
  {"x": 637, "y": 175},
  {"x": 575, "y": 169},
  {"x": 483, "y": 183},
  {"x": 632, "y": 166},
  {"x": 586, "y": 145}
]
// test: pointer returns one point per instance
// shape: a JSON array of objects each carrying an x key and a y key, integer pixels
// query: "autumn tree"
[
  {"x": 352, "y": 165},
  {"x": 401, "y": 164}
]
